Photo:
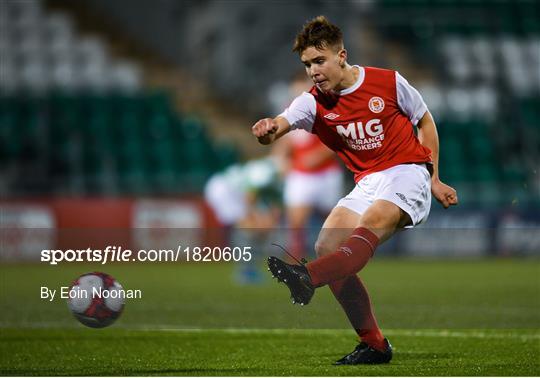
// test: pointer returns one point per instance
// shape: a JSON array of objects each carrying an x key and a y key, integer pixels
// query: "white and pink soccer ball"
[{"x": 96, "y": 299}]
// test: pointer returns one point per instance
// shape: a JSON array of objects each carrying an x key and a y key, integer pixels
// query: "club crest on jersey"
[{"x": 376, "y": 104}]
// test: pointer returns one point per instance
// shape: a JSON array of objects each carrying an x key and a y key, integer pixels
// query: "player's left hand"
[{"x": 445, "y": 194}]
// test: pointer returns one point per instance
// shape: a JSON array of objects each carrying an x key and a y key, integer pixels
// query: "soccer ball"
[{"x": 96, "y": 299}]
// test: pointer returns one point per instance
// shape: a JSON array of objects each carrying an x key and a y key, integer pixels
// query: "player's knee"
[
  {"x": 373, "y": 224},
  {"x": 369, "y": 220},
  {"x": 377, "y": 220}
]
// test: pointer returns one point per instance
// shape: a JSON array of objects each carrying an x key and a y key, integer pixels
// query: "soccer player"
[
  {"x": 245, "y": 199},
  {"x": 366, "y": 115}
]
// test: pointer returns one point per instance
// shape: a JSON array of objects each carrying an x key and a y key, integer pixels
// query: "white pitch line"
[{"x": 476, "y": 334}]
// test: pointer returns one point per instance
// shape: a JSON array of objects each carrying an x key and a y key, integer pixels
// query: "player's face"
[{"x": 324, "y": 66}]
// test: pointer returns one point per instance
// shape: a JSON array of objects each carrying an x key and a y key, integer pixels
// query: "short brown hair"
[{"x": 319, "y": 33}]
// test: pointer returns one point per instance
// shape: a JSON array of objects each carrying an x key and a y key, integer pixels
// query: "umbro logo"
[
  {"x": 403, "y": 198},
  {"x": 346, "y": 250},
  {"x": 331, "y": 116}
]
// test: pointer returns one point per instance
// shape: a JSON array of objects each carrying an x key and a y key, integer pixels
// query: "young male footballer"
[{"x": 366, "y": 115}]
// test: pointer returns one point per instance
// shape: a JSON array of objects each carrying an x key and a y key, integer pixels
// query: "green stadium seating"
[{"x": 111, "y": 143}]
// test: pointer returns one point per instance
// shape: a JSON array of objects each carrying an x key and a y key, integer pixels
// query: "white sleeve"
[
  {"x": 409, "y": 100},
  {"x": 301, "y": 113}
]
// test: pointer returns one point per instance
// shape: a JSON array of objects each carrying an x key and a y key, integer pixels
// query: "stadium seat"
[{"x": 10, "y": 144}]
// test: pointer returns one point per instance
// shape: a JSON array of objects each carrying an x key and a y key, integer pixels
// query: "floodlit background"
[{"x": 108, "y": 106}]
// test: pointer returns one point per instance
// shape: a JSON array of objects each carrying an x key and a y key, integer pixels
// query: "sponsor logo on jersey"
[
  {"x": 362, "y": 137},
  {"x": 331, "y": 116},
  {"x": 376, "y": 104}
]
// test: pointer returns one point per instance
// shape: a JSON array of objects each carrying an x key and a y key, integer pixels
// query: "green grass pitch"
[{"x": 445, "y": 317}]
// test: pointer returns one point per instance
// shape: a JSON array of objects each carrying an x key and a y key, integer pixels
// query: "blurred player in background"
[
  {"x": 366, "y": 115},
  {"x": 313, "y": 177},
  {"x": 246, "y": 200}
]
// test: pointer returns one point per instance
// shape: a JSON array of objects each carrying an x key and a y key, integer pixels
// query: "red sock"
[
  {"x": 347, "y": 260},
  {"x": 354, "y": 298}
]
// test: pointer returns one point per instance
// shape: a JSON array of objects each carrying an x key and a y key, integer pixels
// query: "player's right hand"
[{"x": 264, "y": 128}]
